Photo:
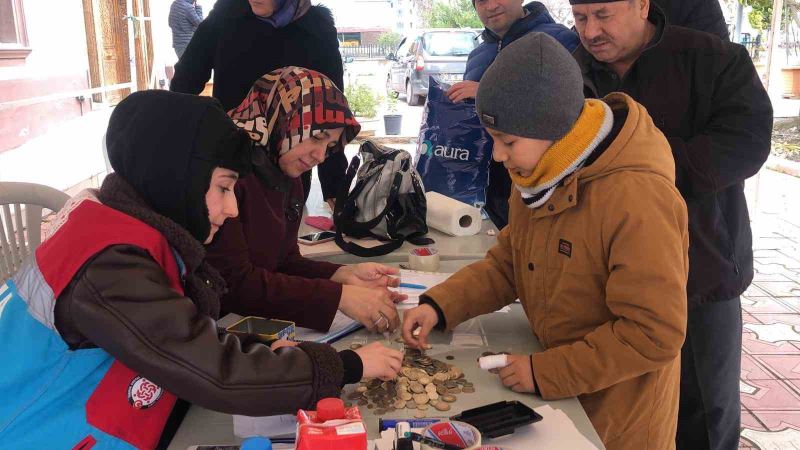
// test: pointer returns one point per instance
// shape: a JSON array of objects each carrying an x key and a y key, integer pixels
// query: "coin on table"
[
  {"x": 442, "y": 406},
  {"x": 422, "y": 407},
  {"x": 441, "y": 389},
  {"x": 370, "y": 406},
  {"x": 450, "y": 357},
  {"x": 425, "y": 379},
  {"x": 411, "y": 404},
  {"x": 468, "y": 389},
  {"x": 412, "y": 375},
  {"x": 441, "y": 376},
  {"x": 430, "y": 388},
  {"x": 417, "y": 388},
  {"x": 433, "y": 395},
  {"x": 399, "y": 403},
  {"x": 454, "y": 391},
  {"x": 421, "y": 399},
  {"x": 448, "y": 398},
  {"x": 405, "y": 395},
  {"x": 419, "y": 414}
]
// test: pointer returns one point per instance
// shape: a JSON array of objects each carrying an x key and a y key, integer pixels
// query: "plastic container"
[
  {"x": 499, "y": 419},
  {"x": 331, "y": 427}
]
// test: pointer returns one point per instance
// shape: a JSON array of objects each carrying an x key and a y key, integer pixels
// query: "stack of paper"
[
  {"x": 426, "y": 279},
  {"x": 340, "y": 327},
  {"x": 280, "y": 426}
]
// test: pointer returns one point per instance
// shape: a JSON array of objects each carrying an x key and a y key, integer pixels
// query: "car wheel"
[
  {"x": 389, "y": 91},
  {"x": 411, "y": 98}
]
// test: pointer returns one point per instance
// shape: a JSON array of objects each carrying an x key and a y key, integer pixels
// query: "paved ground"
[{"x": 70, "y": 158}]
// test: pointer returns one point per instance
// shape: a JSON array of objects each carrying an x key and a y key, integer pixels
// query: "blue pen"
[{"x": 413, "y": 286}]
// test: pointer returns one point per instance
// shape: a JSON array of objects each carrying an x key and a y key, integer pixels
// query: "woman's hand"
[
  {"x": 372, "y": 307},
  {"x": 379, "y": 361},
  {"x": 367, "y": 275}
]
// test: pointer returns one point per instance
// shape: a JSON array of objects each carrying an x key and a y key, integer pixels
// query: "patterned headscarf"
[
  {"x": 286, "y": 12},
  {"x": 289, "y": 105}
]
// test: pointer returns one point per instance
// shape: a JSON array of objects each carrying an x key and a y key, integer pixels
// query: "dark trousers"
[{"x": 711, "y": 359}]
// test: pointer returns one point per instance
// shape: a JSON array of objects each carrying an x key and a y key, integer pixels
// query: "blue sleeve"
[{"x": 565, "y": 36}]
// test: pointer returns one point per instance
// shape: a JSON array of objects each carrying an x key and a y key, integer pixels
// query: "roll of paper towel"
[{"x": 452, "y": 216}]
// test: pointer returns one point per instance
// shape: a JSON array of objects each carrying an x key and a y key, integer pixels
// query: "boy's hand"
[
  {"x": 518, "y": 374},
  {"x": 423, "y": 317}
]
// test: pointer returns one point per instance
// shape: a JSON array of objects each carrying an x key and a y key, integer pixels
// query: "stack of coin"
[{"x": 424, "y": 382}]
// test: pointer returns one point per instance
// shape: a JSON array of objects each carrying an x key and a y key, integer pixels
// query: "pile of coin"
[{"x": 424, "y": 382}]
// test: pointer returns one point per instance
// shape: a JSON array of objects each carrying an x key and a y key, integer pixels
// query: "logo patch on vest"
[
  {"x": 143, "y": 393},
  {"x": 565, "y": 248}
]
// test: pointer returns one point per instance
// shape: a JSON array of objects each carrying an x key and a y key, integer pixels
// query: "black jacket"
[
  {"x": 704, "y": 94},
  {"x": 701, "y": 15},
  {"x": 240, "y": 48}
]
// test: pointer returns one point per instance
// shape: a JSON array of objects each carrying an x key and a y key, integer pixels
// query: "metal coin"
[{"x": 442, "y": 406}]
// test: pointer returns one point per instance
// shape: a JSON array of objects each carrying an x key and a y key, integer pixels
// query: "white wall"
[{"x": 57, "y": 36}]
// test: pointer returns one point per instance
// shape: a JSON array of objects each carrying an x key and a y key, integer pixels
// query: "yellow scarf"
[{"x": 566, "y": 155}]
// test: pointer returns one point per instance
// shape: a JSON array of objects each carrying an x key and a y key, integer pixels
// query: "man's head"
[
  {"x": 498, "y": 15},
  {"x": 529, "y": 97},
  {"x": 612, "y": 31}
]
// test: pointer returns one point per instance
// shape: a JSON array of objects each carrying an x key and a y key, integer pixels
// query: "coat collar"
[{"x": 589, "y": 64}]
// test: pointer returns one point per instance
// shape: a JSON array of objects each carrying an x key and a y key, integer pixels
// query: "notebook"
[{"x": 340, "y": 327}]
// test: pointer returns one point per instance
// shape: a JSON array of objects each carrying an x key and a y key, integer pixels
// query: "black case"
[{"x": 498, "y": 419}]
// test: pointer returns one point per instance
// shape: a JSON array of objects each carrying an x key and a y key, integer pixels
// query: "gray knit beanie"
[{"x": 533, "y": 89}]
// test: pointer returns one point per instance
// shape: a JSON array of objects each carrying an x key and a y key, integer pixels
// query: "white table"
[{"x": 500, "y": 331}]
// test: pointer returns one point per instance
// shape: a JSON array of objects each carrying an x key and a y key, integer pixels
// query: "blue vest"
[{"x": 57, "y": 398}]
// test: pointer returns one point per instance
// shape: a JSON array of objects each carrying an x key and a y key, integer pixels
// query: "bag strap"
[{"x": 341, "y": 221}]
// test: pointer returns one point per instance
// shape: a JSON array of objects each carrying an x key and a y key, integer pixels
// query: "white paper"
[
  {"x": 283, "y": 425},
  {"x": 341, "y": 325},
  {"x": 427, "y": 279}
]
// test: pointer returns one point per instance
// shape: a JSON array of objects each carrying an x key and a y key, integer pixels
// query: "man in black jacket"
[
  {"x": 704, "y": 94},
  {"x": 702, "y": 15},
  {"x": 241, "y": 44}
]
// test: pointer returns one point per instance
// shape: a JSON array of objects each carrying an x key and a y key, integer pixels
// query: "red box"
[{"x": 331, "y": 427}]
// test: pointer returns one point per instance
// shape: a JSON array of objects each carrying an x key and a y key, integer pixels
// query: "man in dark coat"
[
  {"x": 184, "y": 17},
  {"x": 505, "y": 22},
  {"x": 704, "y": 94},
  {"x": 701, "y": 15},
  {"x": 241, "y": 44}
]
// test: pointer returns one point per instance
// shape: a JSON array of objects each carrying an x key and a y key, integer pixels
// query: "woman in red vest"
[{"x": 115, "y": 317}]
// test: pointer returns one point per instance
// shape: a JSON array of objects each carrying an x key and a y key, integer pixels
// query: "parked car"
[{"x": 441, "y": 53}]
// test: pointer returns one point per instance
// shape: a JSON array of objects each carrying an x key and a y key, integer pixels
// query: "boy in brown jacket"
[{"x": 596, "y": 248}]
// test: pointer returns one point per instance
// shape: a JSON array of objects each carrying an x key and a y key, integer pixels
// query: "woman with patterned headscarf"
[
  {"x": 241, "y": 40},
  {"x": 297, "y": 118}
]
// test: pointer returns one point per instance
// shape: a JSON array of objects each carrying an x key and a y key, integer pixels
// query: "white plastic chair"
[{"x": 21, "y": 206}]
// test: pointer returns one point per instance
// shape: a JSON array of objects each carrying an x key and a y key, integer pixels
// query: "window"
[{"x": 13, "y": 37}]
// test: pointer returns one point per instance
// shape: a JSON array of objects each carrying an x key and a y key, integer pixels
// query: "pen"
[{"x": 413, "y": 286}]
